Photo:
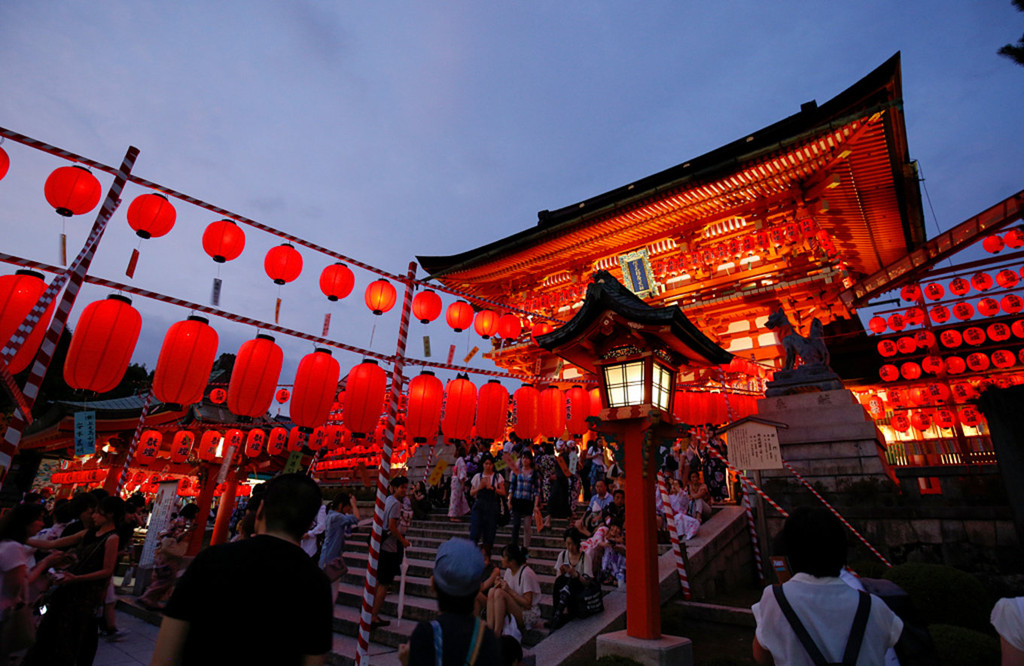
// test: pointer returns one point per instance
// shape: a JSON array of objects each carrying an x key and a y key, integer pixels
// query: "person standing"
[
  {"x": 392, "y": 548},
  {"x": 523, "y": 491},
  {"x": 457, "y": 504},
  {"x": 261, "y": 600},
  {"x": 487, "y": 488},
  {"x": 341, "y": 520}
]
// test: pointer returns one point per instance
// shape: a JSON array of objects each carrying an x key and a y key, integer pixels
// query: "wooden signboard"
[{"x": 754, "y": 446}]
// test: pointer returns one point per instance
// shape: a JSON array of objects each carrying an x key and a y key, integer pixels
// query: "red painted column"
[
  {"x": 225, "y": 509},
  {"x": 643, "y": 600},
  {"x": 204, "y": 501}
]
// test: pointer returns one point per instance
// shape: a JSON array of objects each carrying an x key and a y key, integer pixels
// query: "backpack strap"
[
  {"x": 860, "y": 624},
  {"x": 853, "y": 642},
  {"x": 798, "y": 627},
  {"x": 474, "y": 646},
  {"x": 438, "y": 643}
]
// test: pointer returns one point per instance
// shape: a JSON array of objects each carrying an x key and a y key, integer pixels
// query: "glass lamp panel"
[
  {"x": 625, "y": 384},
  {"x": 662, "y": 387}
]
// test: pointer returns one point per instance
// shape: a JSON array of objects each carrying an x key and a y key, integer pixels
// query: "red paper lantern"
[
  {"x": 19, "y": 293},
  {"x": 492, "y": 410},
  {"x": 510, "y": 326},
  {"x": 149, "y": 447},
  {"x": 283, "y": 263},
  {"x": 72, "y": 190},
  {"x": 254, "y": 377},
  {"x": 934, "y": 291},
  {"x": 889, "y": 372},
  {"x": 955, "y": 365},
  {"x": 944, "y": 418},
  {"x": 218, "y": 396},
  {"x": 296, "y": 440},
  {"x": 914, "y": 316},
  {"x": 959, "y": 286},
  {"x": 317, "y": 438},
  {"x": 932, "y": 364},
  {"x": 1011, "y": 304},
  {"x": 426, "y": 306},
  {"x": 459, "y": 408},
  {"x": 910, "y": 292},
  {"x": 981, "y": 281},
  {"x": 1014, "y": 238},
  {"x": 1007, "y": 279},
  {"x": 925, "y": 339},
  {"x": 380, "y": 296},
  {"x": 186, "y": 359},
  {"x": 543, "y": 328},
  {"x": 970, "y": 416},
  {"x": 998, "y": 332},
  {"x": 337, "y": 437},
  {"x": 181, "y": 445},
  {"x": 254, "y": 442},
  {"x": 223, "y": 240},
  {"x": 1017, "y": 328},
  {"x": 423, "y": 410},
  {"x": 208, "y": 445},
  {"x": 282, "y": 396},
  {"x": 993, "y": 244},
  {"x": 977, "y": 362},
  {"x": 974, "y": 336},
  {"x": 962, "y": 392},
  {"x": 459, "y": 315},
  {"x": 988, "y": 307},
  {"x": 1002, "y": 359},
  {"x": 919, "y": 396},
  {"x": 900, "y": 422},
  {"x": 234, "y": 440},
  {"x": 897, "y": 322},
  {"x": 921, "y": 420},
  {"x": 364, "y": 397},
  {"x": 963, "y": 311},
  {"x": 551, "y": 412},
  {"x": 276, "y": 440},
  {"x": 906, "y": 345},
  {"x": 875, "y": 407},
  {"x": 316, "y": 382},
  {"x": 910, "y": 370},
  {"x": 5, "y": 163},
  {"x": 577, "y": 405},
  {"x": 486, "y": 323},
  {"x": 102, "y": 344},
  {"x": 937, "y": 392},
  {"x": 951, "y": 338},
  {"x": 336, "y": 281},
  {"x": 595, "y": 401},
  {"x": 939, "y": 314},
  {"x": 877, "y": 325},
  {"x": 525, "y": 405},
  {"x": 151, "y": 215}
]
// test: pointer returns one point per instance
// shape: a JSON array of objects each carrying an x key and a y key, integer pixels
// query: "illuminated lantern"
[
  {"x": 962, "y": 392},
  {"x": 993, "y": 244},
  {"x": 937, "y": 392},
  {"x": 426, "y": 306},
  {"x": 896, "y": 398},
  {"x": 914, "y": 316},
  {"x": 1002, "y": 359},
  {"x": 336, "y": 281},
  {"x": 889, "y": 373},
  {"x": 877, "y": 325},
  {"x": 974, "y": 336},
  {"x": 963, "y": 311},
  {"x": 921, "y": 420},
  {"x": 254, "y": 377},
  {"x": 283, "y": 263},
  {"x": 72, "y": 190},
  {"x": 910, "y": 370},
  {"x": 254, "y": 442},
  {"x": 977, "y": 362},
  {"x": 970, "y": 416},
  {"x": 901, "y": 423},
  {"x": 218, "y": 396},
  {"x": 910, "y": 292},
  {"x": 595, "y": 402},
  {"x": 186, "y": 359},
  {"x": 336, "y": 437},
  {"x": 102, "y": 344},
  {"x": 151, "y": 215},
  {"x": 577, "y": 405},
  {"x": 492, "y": 410},
  {"x": 924, "y": 339},
  {"x": 906, "y": 345},
  {"x": 951, "y": 338},
  {"x": 181, "y": 445},
  {"x": 919, "y": 396},
  {"x": 998, "y": 332},
  {"x": 149, "y": 447},
  {"x": 875, "y": 407},
  {"x": 1011, "y": 304},
  {"x": 510, "y": 326},
  {"x": 234, "y": 439},
  {"x": 955, "y": 365},
  {"x": 525, "y": 405},
  {"x": 317, "y": 438},
  {"x": 543, "y": 328},
  {"x": 944, "y": 418},
  {"x": 939, "y": 314},
  {"x": 1014, "y": 238},
  {"x": 934, "y": 291},
  {"x": 1007, "y": 279},
  {"x": 486, "y": 323},
  {"x": 551, "y": 412},
  {"x": 981, "y": 281},
  {"x": 19, "y": 293},
  {"x": 932, "y": 364},
  {"x": 459, "y": 316},
  {"x": 316, "y": 382},
  {"x": 423, "y": 411},
  {"x": 208, "y": 445},
  {"x": 988, "y": 307},
  {"x": 276, "y": 440},
  {"x": 459, "y": 408},
  {"x": 5, "y": 163},
  {"x": 364, "y": 397},
  {"x": 380, "y": 296},
  {"x": 897, "y": 322},
  {"x": 282, "y": 396},
  {"x": 1017, "y": 328},
  {"x": 223, "y": 241},
  {"x": 959, "y": 286},
  {"x": 296, "y": 439}
]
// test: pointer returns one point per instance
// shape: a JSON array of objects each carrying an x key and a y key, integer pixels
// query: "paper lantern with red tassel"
[
  {"x": 72, "y": 190},
  {"x": 934, "y": 291},
  {"x": 223, "y": 241},
  {"x": 317, "y": 438},
  {"x": 102, "y": 344},
  {"x": 283, "y": 263},
  {"x": 19, "y": 293},
  {"x": 459, "y": 316},
  {"x": 944, "y": 417},
  {"x": 181, "y": 445},
  {"x": 459, "y": 408},
  {"x": 186, "y": 359},
  {"x": 900, "y": 422},
  {"x": 970, "y": 416},
  {"x": 296, "y": 439},
  {"x": 364, "y": 397},
  {"x": 492, "y": 410},
  {"x": 380, "y": 296},
  {"x": 423, "y": 407},
  {"x": 939, "y": 314},
  {"x": 910, "y": 292},
  {"x": 889, "y": 372},
  {"x": 151, "y": 215},
  {"x": 896, "y": 321},
  {"x": 932, "y": 364},
  {"x": 486, "y": 323},
  {"x": 525, "y": 406},
  {"x": 998, "y": 332},
  {"x": 426, "y": 306},
  {"x": 254, "y": 377},
  {"x": 551, "y": 412},
  {"x": 336, "y": 281},
  {"x": 316, "y": 382},
  {"x": 510, "y": 326},
  {"x": 577, "y": 410},
  {"x": 988, "y": 307}
]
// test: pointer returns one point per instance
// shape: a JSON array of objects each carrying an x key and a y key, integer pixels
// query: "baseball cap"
[{"x": 458, "y": 568}]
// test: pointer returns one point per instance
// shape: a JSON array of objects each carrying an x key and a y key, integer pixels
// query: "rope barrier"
[
  {"x": 748, "y": 509},
  {"x": 123, "y": 476},
  {"x": 684, "y": 581}
]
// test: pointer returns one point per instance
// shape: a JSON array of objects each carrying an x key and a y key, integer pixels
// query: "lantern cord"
[{"x": 373, "y": 331}]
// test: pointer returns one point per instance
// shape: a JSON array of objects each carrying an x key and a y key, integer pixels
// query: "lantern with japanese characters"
[
  {"x": 149, "y": 447},
  {"x": 423, "y": 410},
  {"x": 186, "y": 359},
  {"x": 254, "y": 442},
  {"x": 577, "y": 410},
  {"x": 459, "y": 408},
  {"x": 363, "y": 400},
  {"x": 492, "y": 410},
  {"x": 551, "y": 412},
  {"x": 209, "y": 445},
  {"x": 316, "y": 382},
  {"x": 254, "y": 377},
  {"x": 525, "y": 405},
  {"x": 276, "y": 440},
  {"x": 102, "y": 344},
  {"x": 181, "y": 445}
]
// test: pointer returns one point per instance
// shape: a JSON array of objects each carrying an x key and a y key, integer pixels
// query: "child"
[{"x": 613, "y": 561}]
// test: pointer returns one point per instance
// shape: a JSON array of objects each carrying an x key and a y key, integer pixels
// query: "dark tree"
[{"x": 1015, "y": 52}]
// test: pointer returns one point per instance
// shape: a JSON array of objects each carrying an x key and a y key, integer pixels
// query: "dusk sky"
[{"x": 389, "y": 129}]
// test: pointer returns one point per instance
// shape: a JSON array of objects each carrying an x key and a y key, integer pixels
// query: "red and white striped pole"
[
  {"x": 123, "y": 478},
  {"x": 76, "y": 272},
  {"x": 430, "y": 460},
  {"x": 684, "y": 580},
  {"x": 748, "y": 509},
  {"x": 384, "y": 473}
]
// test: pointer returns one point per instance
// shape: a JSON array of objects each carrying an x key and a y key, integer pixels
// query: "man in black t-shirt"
[{"x": 257, "y": 601}]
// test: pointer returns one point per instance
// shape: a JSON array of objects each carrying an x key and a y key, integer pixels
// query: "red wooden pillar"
[
  {"x": 225, "y": 509},
  {"x": 643, "y": 598},
  {"x": 113, "y": 479},
  {"x": 204, "y": 501}
]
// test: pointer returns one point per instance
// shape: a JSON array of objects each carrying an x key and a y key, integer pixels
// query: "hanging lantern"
[
  {"x": 551, "y": 412},
  {"x": 423, "y": 409},
  {"x": 335, "y": 438},
  {"x": 276, "y": 440},
  {"x": 254, "y": 377},
  {"x": 998, "y": 332},
  {"x": 1017, "y": 328},
  {"x": 988, "y": 307},
  {"x": 5, "y": 162},
  {"x": 925, "y": 339},
  {"x": 459, "y": 408},
  {"x": 595, "y": 402},
  {"x": 426, "y": 306},
  {"x": 877, "y": 325},
  {"x": 1014, "y": 238},
  {"x": 939, "y": 314},
  {"x": 914, "y": 316},
  {"x": 963, "y": 311},
  {"x": 970, "y": 416},
  {"x": 317, "y": 438},
  {"x": 889, "y": 372},
  {"x": 977, "y": 362},
  {"x": 906, "y": 344},
  {"x": 900, "y": 422},
  {"x": 962, "y": 392},
  {"x": 959, "y": 286},
  {"x": 19, "y": 293},
  {"x": 974, "y": 336},
  {"x": 492, "y": 411},
  {"x": 296, "y": 440},
  {"x": 919, "y": 396},
  {"x": 102, "y": 344},
  {"x": 1003, "y": 359},
  {"x": 921, "y": 420},
  {"x": 254, "y": 442},
  {"x": 510, "y": 326},
  {"x": 316, "y": 382},
  {"x": 151, "y": 215},
  {"x": 1011, "y": 304},
  {"x": 149, "y": 447},
  {"x": 951, "y": 338},
  {"x": 525, "y": 405},
  {"x": 380, "y": 296},
  {"x": 577, "y": 406},
  {"x": 937, "y": 392},
  {"x": 336, "y": 281},
  {"x": 282, "y": 396},
  {"x": 364, "y": 397},
  {"x": 934, "y": 291},
  {"x": 208, "y": 445},
  {"x": 1007, "y": 279},
  {"x": 932, "y": 364},
  {"x": 910, "y": 370},
  {"x": 72, "y": 190},
  {"x": 543, "y": 328},
  {"x": 181, "y": 445},
  {"x": 233, "y": 441},
  {"x": 910, "y": 292},
  {"x": 283, "y": 263},
  {"x": 981, "y": 281},
  {"x": 875, "y": 407},
  {"x": 223, "y": 241},
  {"x": 486, "y": 323},
  {"x": 218, "y": 396},
  {"x": 955, "y": 365},
  {"x": 944, "y": 418},
  {"x": 897, "y": 322},
  {"x": 459, "y": 316},
  {"x": 186, "y": 359},
  {"x": 993, "y": 244}
]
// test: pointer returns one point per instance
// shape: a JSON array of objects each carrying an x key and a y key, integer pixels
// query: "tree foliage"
[{"x": 1015, "y": 52}]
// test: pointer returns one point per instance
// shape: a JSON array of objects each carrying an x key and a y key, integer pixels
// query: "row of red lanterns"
[
  {"x": 940, "y": 314},
  {"x": 1013, "y": 239},
  {"x": 944, "y": 418},
  {"x": 950, "y": 338},
  {"x": 975, "y": 362}
]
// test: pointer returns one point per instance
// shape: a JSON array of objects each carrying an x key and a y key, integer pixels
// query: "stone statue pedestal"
[{"x": 803, "y": 379}]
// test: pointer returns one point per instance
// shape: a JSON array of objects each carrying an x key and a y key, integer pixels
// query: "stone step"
[
  {"x": 429, "y": 546},
  {"x": 420, "y": 585}
]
